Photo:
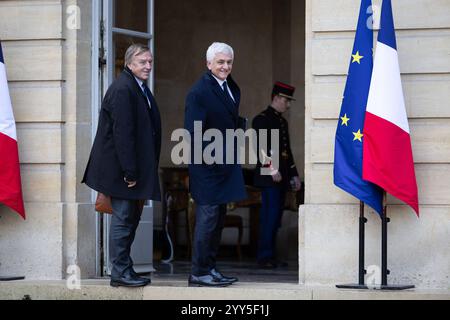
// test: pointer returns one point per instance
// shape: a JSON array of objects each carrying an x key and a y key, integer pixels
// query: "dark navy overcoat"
[{"x": 216, "y": 183}]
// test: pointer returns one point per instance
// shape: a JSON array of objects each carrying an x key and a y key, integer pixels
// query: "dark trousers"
[
  {"x": 209, "y": 221},
  {"x": 272, "y": 205},
  {"x": 124, "y": 222}
]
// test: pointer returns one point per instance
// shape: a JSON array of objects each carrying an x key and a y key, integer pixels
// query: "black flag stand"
[
  {"x": 3, "y": 278},
  {"x": 362, "y": 271},
  {"x": 384, "y": 269},
  {"x": 10, "y": 278}
]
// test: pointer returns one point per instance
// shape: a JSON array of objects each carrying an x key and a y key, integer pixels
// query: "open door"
[{"x": 120, "y": 23}]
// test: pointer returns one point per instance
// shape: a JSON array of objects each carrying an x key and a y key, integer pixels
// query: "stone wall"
[
  {"x": 418, "y": 248},
  {"x": 49, "y": 72}
]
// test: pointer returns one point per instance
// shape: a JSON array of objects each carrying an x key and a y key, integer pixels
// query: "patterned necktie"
[{"x": 227, "y": 93}]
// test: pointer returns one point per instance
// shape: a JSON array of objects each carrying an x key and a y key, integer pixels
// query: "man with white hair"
[{"x": 214, "y": 102}]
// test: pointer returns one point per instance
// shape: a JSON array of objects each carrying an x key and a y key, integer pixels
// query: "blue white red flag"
[
  {"x": 387, "y": 153},
  {"x": 348, "y": 154},
  {"x": 10, "y": 183}
]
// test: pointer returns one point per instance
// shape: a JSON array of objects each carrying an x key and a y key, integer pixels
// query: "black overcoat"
[{"x": 127, "y": 143}]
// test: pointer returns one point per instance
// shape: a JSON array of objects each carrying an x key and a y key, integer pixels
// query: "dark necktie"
[
  {"x": 152, "y": 107},
  {"x": 148, "y": 94},
  {"x": 225, "y": 90}
]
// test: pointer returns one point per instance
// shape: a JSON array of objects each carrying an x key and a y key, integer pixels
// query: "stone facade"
[
  {"x": 418, "y": 249},
  {"x": 49, "y": 72},
  {"x": 48, "y": 66}
]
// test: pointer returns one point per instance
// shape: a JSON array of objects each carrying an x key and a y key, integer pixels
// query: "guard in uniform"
[{"x": 274, "y": 182}]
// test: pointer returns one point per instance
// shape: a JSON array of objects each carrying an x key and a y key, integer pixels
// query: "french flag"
[
  {"x": 387, "y": 154},
  {"x": 10, "y": 183}
]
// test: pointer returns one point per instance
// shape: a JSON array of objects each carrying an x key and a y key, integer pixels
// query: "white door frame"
[
  {"x": 102, "y": 77},
  {"x": 108, "y": 13},
  {"x": 95, "y": 107}
]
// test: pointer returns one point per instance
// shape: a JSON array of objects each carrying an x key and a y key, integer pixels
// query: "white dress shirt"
[{"x": 221, "y": 85}]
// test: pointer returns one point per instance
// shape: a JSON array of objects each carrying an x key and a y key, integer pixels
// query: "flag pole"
[
  {"x": 361, "y": 269},
  {"x": 362, "y": 222},
  {"x": 384, "y": 268},
  {"x": 384, "y": 223}
]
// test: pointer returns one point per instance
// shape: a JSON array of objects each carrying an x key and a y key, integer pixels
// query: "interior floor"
[{"x": 246, "y": 271}]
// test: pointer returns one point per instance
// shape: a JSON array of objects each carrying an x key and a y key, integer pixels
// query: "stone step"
[{"x": 178, "y": 290}]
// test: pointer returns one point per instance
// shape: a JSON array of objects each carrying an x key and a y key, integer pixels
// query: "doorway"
[
  {"x": 118, "y": 25},
  {"x": 268, "y": 37}
]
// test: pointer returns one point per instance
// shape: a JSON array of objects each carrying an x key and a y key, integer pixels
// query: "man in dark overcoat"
[
  {"x": 213, "y": 103},
  {"x": 124, "y": 159}
]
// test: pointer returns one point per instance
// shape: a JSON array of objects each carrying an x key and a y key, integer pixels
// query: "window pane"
[
  {"x": 131, "y": 15},
  {"x": 121, "y": 44}
]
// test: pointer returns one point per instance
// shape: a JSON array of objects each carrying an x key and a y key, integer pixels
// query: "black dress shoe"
[
  {"x": 221, "y": 278},
  {"x": 137, "y": 276},
  {"x": 129, "y": 281},
  {"x": 147, "y": 280},
  {"x": 206, "y": 281}
]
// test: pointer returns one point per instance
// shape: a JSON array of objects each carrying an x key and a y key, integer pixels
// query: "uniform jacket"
[
  {"x": 271, "y": 119},
  {"x": 127, "y": 143},
  {"x": 215, "y": 183}
]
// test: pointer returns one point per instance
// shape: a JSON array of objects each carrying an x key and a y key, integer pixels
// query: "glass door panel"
[
  {"x": 131, "y": 15},
  {"x": 121, "y": 43}
]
